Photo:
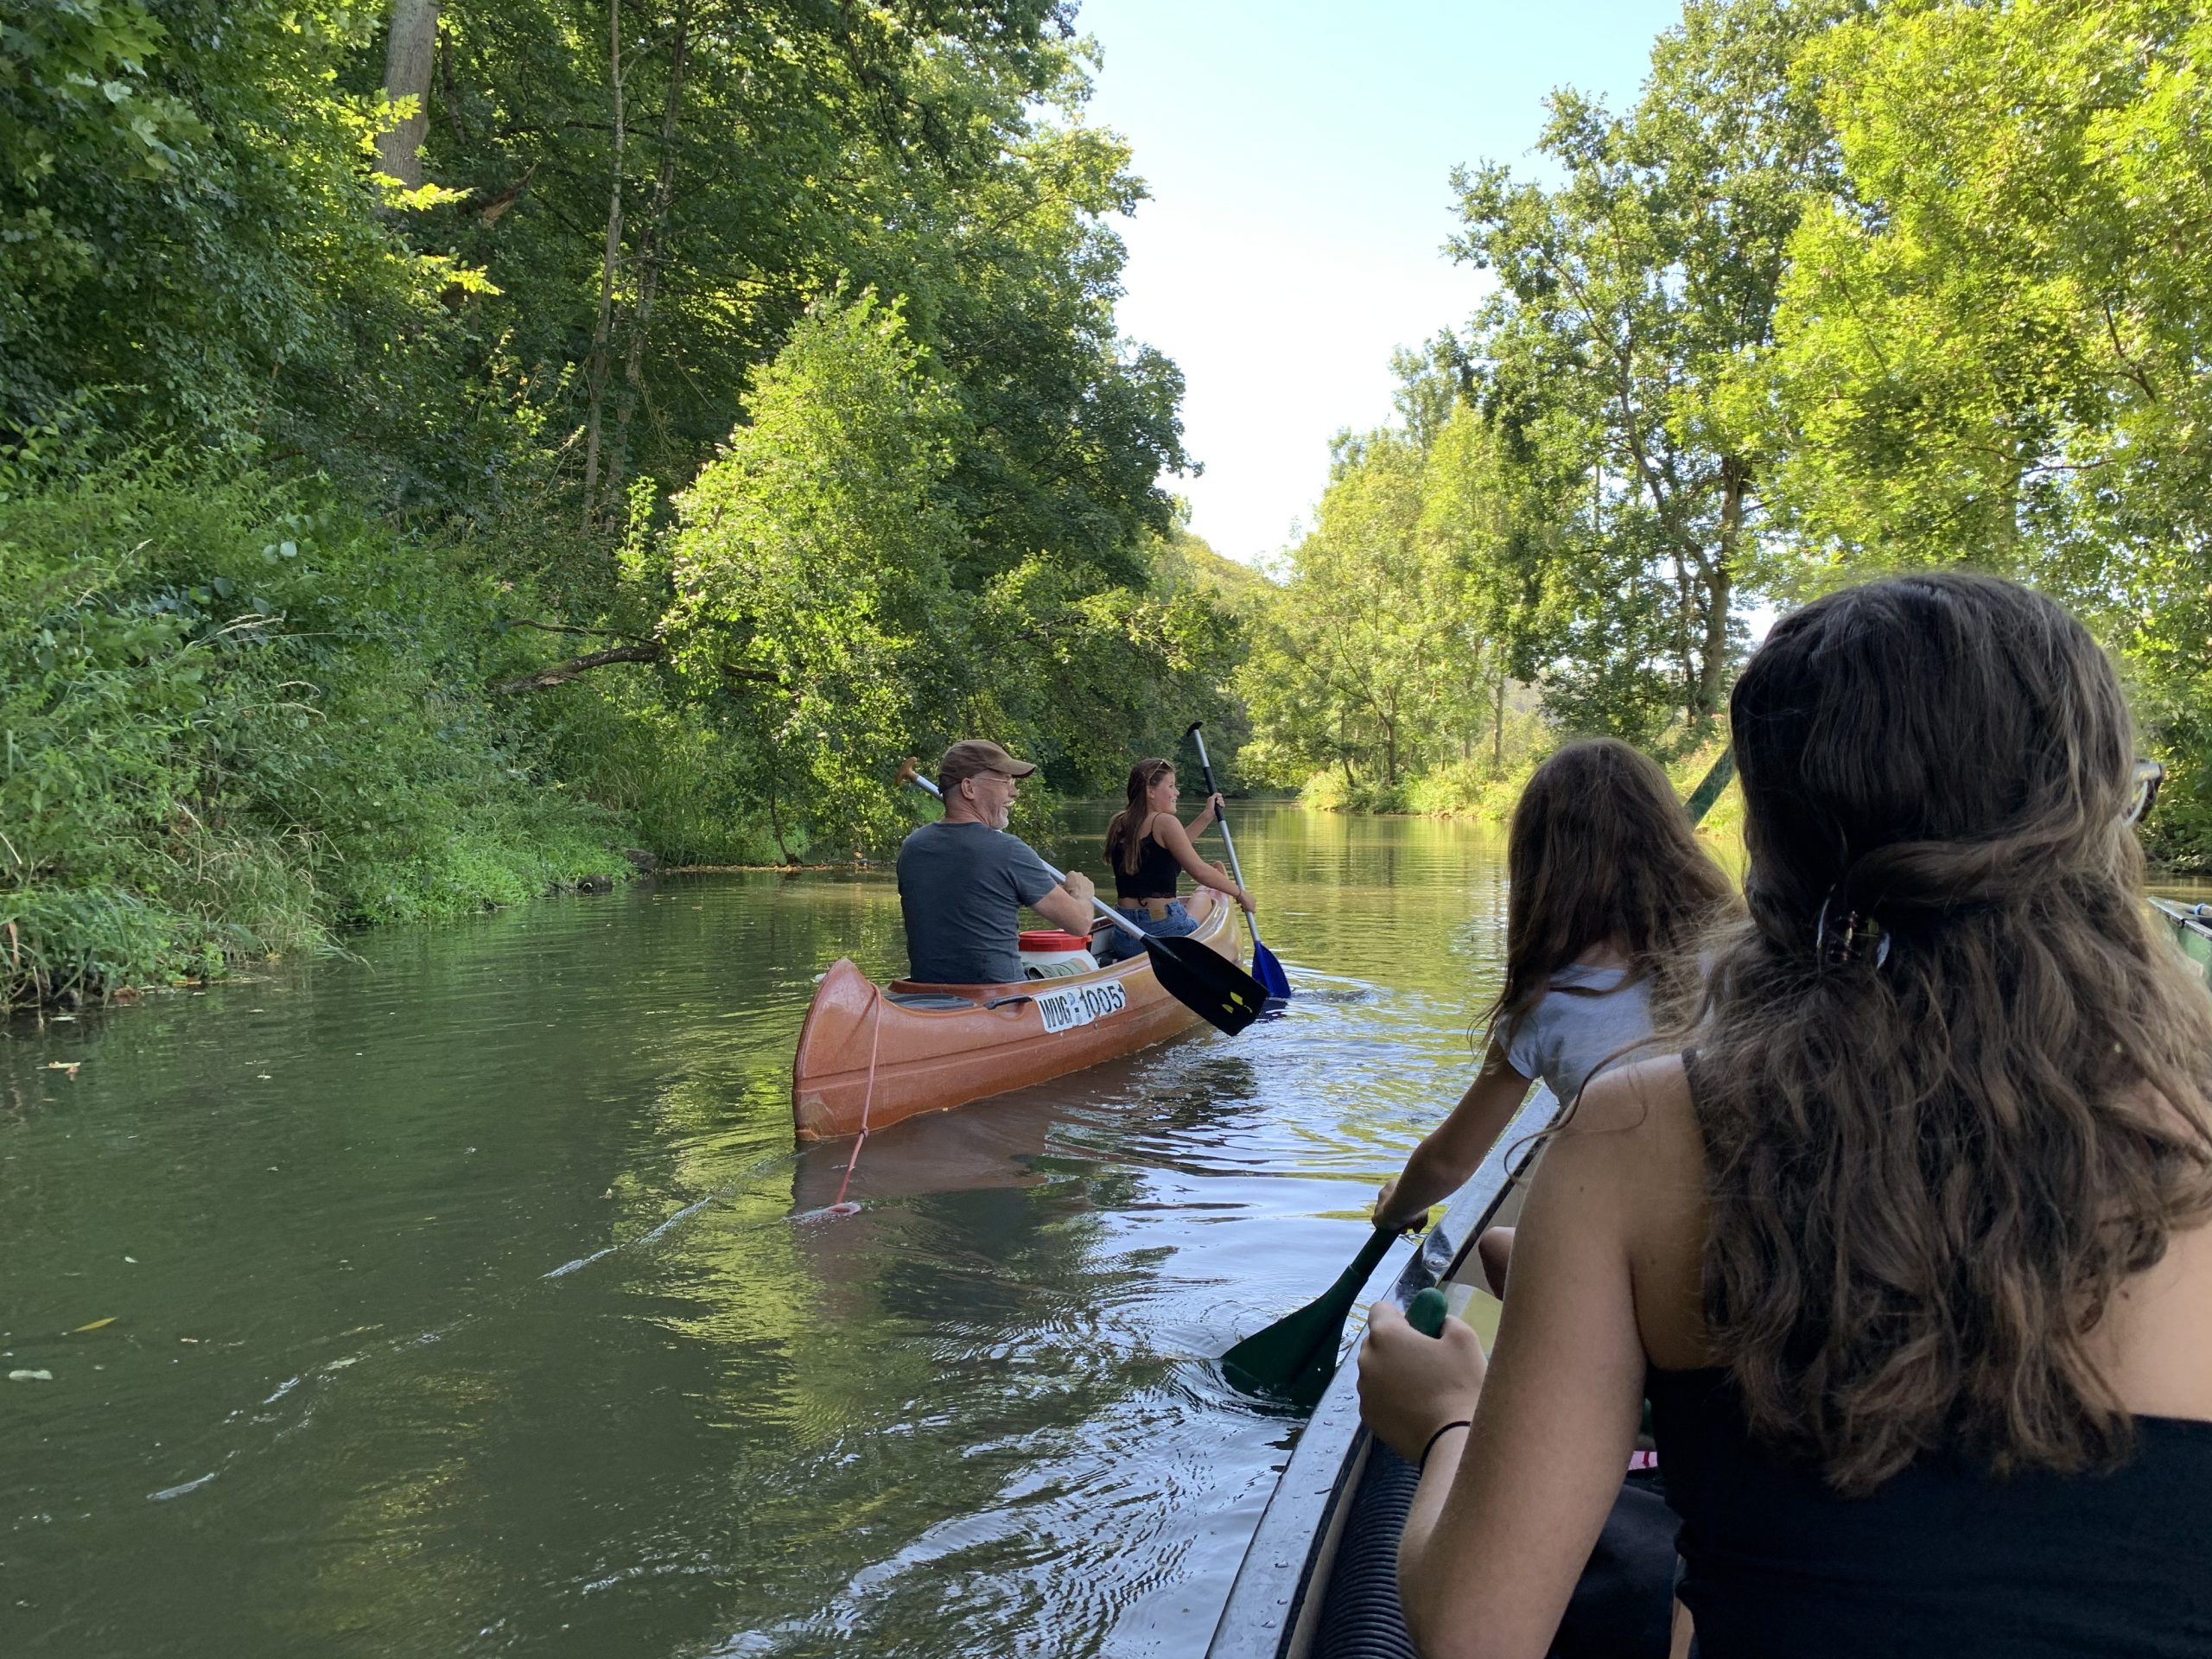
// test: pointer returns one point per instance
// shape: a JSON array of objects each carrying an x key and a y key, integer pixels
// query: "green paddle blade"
[
  {"x": 1294, "y": 1358},
  {"x": 1207, "y": 983}
]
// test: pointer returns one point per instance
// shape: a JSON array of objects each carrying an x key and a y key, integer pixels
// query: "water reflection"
[{"x": 460, "y": 1303}]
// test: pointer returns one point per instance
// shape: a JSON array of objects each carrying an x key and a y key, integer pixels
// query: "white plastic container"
[{"x": 1050, "y": 954}]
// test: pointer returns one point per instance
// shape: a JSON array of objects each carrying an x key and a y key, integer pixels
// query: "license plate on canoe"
[{"x": 1079, "y": 1005}]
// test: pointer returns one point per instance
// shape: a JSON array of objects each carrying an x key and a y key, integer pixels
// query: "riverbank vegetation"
[
  {"x": 443, "y": 449},
  {"x": 1851, "y": 288},
  {"x": 449, "y": 451}
]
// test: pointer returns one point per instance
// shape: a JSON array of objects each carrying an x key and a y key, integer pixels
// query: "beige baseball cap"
[{"x": 974, "y": 754}]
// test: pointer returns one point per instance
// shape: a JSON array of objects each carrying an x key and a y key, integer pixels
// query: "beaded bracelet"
[{"x": 1457, "y": 1422}]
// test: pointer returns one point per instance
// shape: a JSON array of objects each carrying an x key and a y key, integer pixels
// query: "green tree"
[
  {"x": 1361, "y": 660},
  {"x": 810, "y": 560},
  {"x": 1626, "y": 294},
  {"x": 1991, "y": 342},
  {"x": 189, "y": 237}
]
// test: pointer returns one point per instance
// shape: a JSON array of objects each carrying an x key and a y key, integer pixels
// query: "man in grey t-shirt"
[{"x": 962, "y": 880}]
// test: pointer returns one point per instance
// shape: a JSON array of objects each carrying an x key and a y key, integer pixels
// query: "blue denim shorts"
[{"x": 1176, "y": 922}]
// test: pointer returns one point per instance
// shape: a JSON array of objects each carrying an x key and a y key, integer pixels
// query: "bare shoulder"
[
  {"x": 1633, "y": 1157},
  {"x": 1631, "y": 1151},
  {"x": 1636, "y": 1110}
]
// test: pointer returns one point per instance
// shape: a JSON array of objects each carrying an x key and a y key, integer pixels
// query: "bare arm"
[
  {"x": 1068, "y": 906},
  {"x": 1507, "y": 1513},
  {"x": 1440, "y": 1166},
  {"x": 1171, "y": 835}
]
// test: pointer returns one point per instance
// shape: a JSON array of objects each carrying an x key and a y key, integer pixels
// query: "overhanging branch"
[
  {"x": 649, "y": 650},
  {"x": 562, "y": 673}
]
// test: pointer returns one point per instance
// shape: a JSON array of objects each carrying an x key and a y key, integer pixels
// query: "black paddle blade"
[
  {"x": 1207, "y": 983},
  {"x": 1294, "y": 1358}
]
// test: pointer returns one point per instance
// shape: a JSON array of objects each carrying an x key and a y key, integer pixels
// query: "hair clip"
[{"x": 1838, "y": 945}]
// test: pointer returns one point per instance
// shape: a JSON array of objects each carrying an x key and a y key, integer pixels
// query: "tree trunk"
[
  {"x": 1498, "y": 726},
  {"x": 1720, "y": 585},
  {"x": 649, "y": 258},
  {"x": 408, "y": 56},
  {"x": 602, "y": 334}
]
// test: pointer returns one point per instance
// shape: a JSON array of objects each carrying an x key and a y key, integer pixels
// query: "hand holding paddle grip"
[{"x": 1428, "y": 1311}]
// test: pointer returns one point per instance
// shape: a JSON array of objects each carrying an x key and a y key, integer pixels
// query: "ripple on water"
[{"x": 519, "y": 1347}]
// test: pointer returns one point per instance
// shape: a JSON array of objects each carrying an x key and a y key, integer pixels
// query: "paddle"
[
  {"x": 1265, "y": 967},
  {"x": 1294, "y": 1358},
  {"x": 1205, "y": 981}
]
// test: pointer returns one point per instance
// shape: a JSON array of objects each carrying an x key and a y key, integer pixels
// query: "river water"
[{"x": 449, "y": 1300}]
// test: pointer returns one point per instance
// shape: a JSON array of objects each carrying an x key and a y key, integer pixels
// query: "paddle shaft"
[
  {"x": 1265, "y": 967},
  {"x": 1104, "y": 909},
  {"x": 1219, "y": 817},
  {"x": 1708, "y": 790}
]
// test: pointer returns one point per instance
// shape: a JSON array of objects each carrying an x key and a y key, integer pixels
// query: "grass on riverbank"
[
  {"x": 231, "y": 723},
  {"x": 1473, "y": 790}
]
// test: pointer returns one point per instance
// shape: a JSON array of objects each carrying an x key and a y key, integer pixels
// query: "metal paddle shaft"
[
  {"x": 1205, "y": 981},
  {"x": 1294, "y": 1358},
  {"x": 1265, "y": 967}
]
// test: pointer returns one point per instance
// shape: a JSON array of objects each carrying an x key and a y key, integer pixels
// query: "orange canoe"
[{"x": 900, "y": 1049}]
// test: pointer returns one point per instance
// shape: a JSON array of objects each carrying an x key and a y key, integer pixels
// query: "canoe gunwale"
[
  {"x": 1274, "y": 1603},
  {"x": 2192, "y": 932}
]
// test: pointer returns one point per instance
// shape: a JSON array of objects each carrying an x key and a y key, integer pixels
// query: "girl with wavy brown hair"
[
  {"x": 1908, "y": 1249},
  {"x": 1608, "y": 894}
]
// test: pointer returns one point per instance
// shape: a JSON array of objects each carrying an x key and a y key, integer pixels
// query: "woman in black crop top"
[
  {"x": 1147, "y": 844},
  {"x": 1912, "y": 1257}
]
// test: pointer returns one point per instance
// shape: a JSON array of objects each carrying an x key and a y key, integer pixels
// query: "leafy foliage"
[
  {"x": 1625, "y": 294},
  {"x": 817, "y": 605},
  {"x": 1991, "y": 344},
  {"x": 229, "y": 723},
  {"x": 768, "y": 350}
]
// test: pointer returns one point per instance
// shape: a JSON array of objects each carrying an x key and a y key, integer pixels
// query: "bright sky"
[{"x": 1299, "y": 155}]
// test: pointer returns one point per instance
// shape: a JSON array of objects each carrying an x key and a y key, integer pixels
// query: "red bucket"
[{"x": 1052, "y": 938}]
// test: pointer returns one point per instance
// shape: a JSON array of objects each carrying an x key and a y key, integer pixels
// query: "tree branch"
[
  {"x": 646, "y": 650},
  {"x": 571, "y": 627},
  {"x": 562, "y": 673}
]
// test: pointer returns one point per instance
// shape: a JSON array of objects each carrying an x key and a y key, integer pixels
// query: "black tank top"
[
  {"x": 1155, "y": 874},
  {"x": 1942, "y": 1562}
]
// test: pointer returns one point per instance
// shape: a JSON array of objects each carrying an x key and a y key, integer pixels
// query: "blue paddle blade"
[{"x": 1268, "y": 972}]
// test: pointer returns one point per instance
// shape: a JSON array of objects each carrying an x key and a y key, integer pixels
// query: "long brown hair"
[
  {"x": 1599, "y": 848},
  {"x": 1950, "y": 1082},
  {"x": 1125, "y": 831}
]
